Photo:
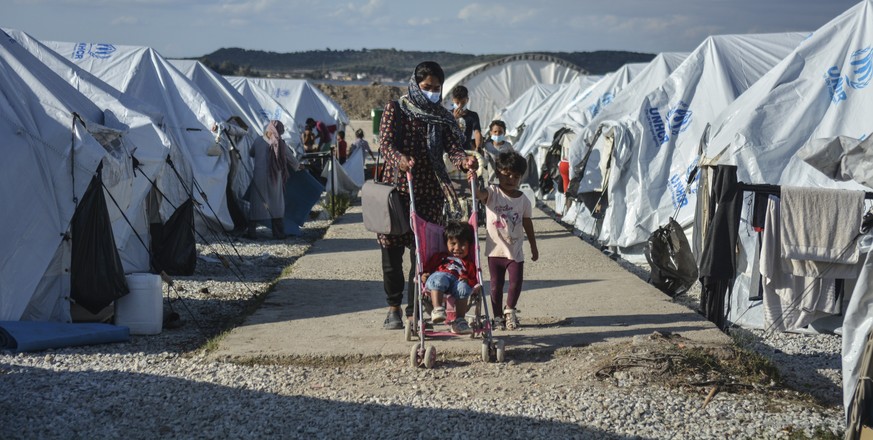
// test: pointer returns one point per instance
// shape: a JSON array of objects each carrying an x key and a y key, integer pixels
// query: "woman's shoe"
[{"x": 393, "y": 321}]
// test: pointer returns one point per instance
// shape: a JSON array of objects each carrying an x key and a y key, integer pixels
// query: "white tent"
[
  {"x": 188, "y": 116},
  {"x": 623, "y": 103},
  {"x": 537, "y": 122},
  {"x": 299, "y": 97},
  {"x": 660, "y": 137},
  {"x": 253, "y": 104},
  {"x": 496, "y": 84},
  {"x": 142, "y": 139},
  {"x": 817, "y": 91},
  {"x": 585, "y": 108},
  {"x": 513, "y": 114},
  {"x": 49, "y": 160},
  {"x": 221, "y": 93}
]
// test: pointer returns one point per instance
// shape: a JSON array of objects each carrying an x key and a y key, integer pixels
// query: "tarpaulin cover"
[
  {"x": 97, "y": 276},
  {"x": 174, "y": 249},
  {"x": 302, "y": 192},
  {"x": 40, "y": 335}
]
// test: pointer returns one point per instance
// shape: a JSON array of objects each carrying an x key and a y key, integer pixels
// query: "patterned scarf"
[
  {"x": 416, "y": 105},
  {"x": 278, "y": 150}
]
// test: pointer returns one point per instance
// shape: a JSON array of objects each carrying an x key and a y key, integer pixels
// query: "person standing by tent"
[
  {"x": 342, "y": 147},
  {"x": 272, "y": 158},
  {"x": 229, "y": 135},
  {"x": 322, "y": 132},
  {"x": 361, "y": 143},
  {"x": 495, "y": 145},
  {"x": 308, "y": 139},
  {"x": 415, "y": 131},
  {"x": 467, "y": 119}
]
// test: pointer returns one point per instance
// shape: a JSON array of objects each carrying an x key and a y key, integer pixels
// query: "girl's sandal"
[{"x": 511, "y": 319}]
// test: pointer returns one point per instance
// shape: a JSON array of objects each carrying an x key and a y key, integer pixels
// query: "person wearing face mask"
[
  {"x": 467, "y": 119},
  {"x": 495, "y": 144},
  {"x": 414, "y": 132}
]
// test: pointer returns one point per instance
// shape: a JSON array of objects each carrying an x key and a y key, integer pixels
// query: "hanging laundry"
[{"x": 790, "y": 302}]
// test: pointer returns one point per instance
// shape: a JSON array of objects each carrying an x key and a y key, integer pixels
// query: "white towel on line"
[{"x": 821, "y": 224}]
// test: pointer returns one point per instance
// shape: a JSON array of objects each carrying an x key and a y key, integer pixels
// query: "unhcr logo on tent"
[
  {"x": 266, "y": 115},
  {"x": 282, "y": 92},
  {"x": 95, "y": 50},
  {"x": 656, "y": 125},
  {"x": 860, "y": 74},
  {"x": 101, "y": 50},
  {"x": 679, "y": 118},
  {"x": 677, "y": 185},
  {"x": 604, "y": 100}
]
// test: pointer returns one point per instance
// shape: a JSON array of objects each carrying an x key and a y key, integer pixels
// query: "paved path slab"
[{"x": 331, "y": 303}]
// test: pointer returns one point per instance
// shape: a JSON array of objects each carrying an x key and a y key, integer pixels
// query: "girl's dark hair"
[
  {"x": 498, "y": 123},
  {"x": 511, "y": 161},
  {"x": 359, "y": 133},
  {"x": 341, "y": 134},
  {"x": 462, "y": 232},
  {"x": 429, "y": 68}
]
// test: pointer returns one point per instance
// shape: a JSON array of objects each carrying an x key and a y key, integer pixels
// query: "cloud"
[
  {"x": 417, "y": 21},
  {"x": 369, "y": 9},
  {"x": 497, "y": 12},
  {"x": 124, "y": 20},
  {"x": 241, "y": 7}
]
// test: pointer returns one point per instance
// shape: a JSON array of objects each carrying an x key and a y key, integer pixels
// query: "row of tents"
[
  {"x": 132, "y": 133},
  {"x": 652, "y": 143}
]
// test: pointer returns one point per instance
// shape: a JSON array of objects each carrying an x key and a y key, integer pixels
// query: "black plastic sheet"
[
  {"x": 674, "y": 269},
  {"x": 174, "y": 249},
  {"x": 96, "y": 273}
]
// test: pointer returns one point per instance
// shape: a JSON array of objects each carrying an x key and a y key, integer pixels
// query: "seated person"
[{"x": 453, "y": 273}]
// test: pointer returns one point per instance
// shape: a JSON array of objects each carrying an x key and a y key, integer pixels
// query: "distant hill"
[{"x": 386, "y": 63}]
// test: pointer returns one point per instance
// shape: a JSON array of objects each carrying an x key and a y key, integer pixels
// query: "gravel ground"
[{"x": 167, "y": 386}]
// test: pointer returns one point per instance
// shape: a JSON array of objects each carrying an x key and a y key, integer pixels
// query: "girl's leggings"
[{"x": 498, "y": 267}]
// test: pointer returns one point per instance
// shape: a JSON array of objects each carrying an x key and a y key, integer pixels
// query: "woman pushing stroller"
[{"x": 415, "y": 131}]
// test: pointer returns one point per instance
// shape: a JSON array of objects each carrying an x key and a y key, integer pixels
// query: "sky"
[{"x": 191, "y": 28}]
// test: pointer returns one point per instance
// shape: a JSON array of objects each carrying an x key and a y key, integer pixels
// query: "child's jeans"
[{"x": 448, "y": 284}]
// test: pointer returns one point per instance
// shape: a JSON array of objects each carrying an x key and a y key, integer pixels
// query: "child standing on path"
[{"x": 507, "y": 220}]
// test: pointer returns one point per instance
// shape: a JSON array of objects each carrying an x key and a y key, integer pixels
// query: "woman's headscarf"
[
  {"x": 414, "y": 104},
  {"x": 278, "y": 161}
]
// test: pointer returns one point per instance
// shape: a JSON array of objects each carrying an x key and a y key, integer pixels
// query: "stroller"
[{"x": 429, "y": 241}]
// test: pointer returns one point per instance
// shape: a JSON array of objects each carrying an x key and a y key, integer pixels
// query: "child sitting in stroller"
[{"x": 453, "y": 273}]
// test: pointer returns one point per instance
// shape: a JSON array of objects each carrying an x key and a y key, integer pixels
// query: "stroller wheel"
[
  {"x": 486, "y": 352},
  {"x": 414, "y": 358},
  {"x": 499, "y": 351},
  {"x": 408, "y": 331},
  {"x": 430, "y": 355}
]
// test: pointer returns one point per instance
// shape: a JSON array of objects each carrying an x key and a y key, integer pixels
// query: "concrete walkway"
[{"x": 332, "y": 304}]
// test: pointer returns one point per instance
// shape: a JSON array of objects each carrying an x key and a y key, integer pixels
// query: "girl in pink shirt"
[{"x": 507, "y": 220}]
